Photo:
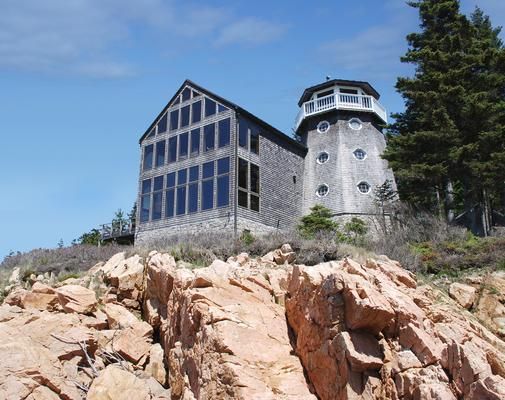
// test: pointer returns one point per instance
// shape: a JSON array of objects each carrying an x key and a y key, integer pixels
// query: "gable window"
[
  {"x": 224, "y": 132},
  {"x": 172, "y": 149},
  {"x": 148, "y": 157},
  {"x": 170, "y": 196},
  {"x": 186, "y": 94},
  {"x": 359, "y": 154},
  {"x": 322, "y": 190},
  {"x": 322, "y": 157},
  {"x": 221, "y": 108},
  {"x": 162, "y": 124},
  {"x": 248, "y": 185},
  {"x": 185, "y": 116},
  {"x": 210, "y": 107},
  {"x": 209, "y": 134},
  {"x": 160, "y": 153},
  {"x": 152, "y": 133},
  {"x": 183, "y": 145},
  {"x": 364, "y": 187},
  {"x": 196, "y": 112},
  {"x": 174, "y": 120},
  {"x": 323, "y": 126},
  {"x": 195, "y": 142}
]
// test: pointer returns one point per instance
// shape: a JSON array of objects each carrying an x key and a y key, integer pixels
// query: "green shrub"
[{"x": 317, "y": 221}]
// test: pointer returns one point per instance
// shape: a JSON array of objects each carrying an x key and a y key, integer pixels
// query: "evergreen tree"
[{"x": 317, "y": 221}]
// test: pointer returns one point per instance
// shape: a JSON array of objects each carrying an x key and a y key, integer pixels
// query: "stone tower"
[{"x": 340, "y": 123}]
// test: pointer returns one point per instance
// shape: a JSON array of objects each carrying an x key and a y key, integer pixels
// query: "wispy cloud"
[
  {"x": 80, "y": 36},
  {"x": 250, "y": 31}
]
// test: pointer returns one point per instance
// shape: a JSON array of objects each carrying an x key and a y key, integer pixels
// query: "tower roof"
[{"x": 365, "y": 86}]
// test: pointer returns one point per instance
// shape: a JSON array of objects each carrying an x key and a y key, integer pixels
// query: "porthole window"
[
  {"x": 355, "y": 123},
  {"x": 322, "y": 190},
  {"x": 323, "y": 126},
  {"x": 322, "y": 157},
  {"x": 364, "y": 187},
  {"x": 359, "y": 154}
]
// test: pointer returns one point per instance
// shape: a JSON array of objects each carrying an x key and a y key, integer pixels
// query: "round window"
[
  {"x": 355, "y": 123},
  {"x": 359, "y": 154},
  {"x": 323, "y": 126},
  {"x": 364, "y": 187},
  {"x": 322, "y": 190},
  {"x": 322, "y": 157}
]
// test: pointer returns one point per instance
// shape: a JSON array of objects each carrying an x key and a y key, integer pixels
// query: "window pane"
[
  {"x": 255, "y": 142},
  {"x": 186, "y": 94},
  {"x": 145, "y": 206},
  {"x": 157, "y": 205},
  {"x": 255, "y": 203},
  {"x": 185, "y": 116},
  {"x": 162, "y": 124},
  {"x": 151, "y": 134},
  {"x": 181, "y": 200},
  {"x": 223, "y": 190},
  {"x": 243, "y": 130},
  {"x": 223, "y": 166},
  {"x": 210, "y": 107},
  {"x": 174, "y": 120},
  {"x": 193, "y": 173},
  {"x": 224, "y": 132},
  {"x": 172, "y": 149},
  {"x": 193, "y": 198},
  {"x": 177, "y": 100},
  {"x": 242, "y": 173},
  {"x": 255, "y": 178},
  {"x": 182, "y": 177},
  {"x": 242, "y": 198},
  {"x": 209, "y": 136},
  {"x": 208, "y": 194},
  {"x": 158, "y": 183},
  {"x": 183, "y": 145},
  {"x": 146, "y": 186},
  {"x": 160, "y": 153},
  {"x": 169, "y": 207},
  {"x": 221, "y": 108},
  {"x": 195, "y": 141},
  {"x": 208, "y": 170},
  {"x": 196, "y": 115},
  {"x": 171, "y": 180},
  {"x": 148, "y": 157}
]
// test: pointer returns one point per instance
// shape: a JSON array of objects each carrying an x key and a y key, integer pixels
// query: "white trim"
[
  {"x": 369, "y": 187},
  {"x": 355, "y": 119},
  {"x": 364, "y": 152},
  {"x": 321, "y": 185},
  {"x": 319, "y": 126},
  {"x": 322, "y": 162}
]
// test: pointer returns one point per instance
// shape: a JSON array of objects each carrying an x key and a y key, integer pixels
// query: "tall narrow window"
[
  {"x": 195, "y": 142},
  {"x": 242, "y": 173},
  {"x": 193, "y": 197},
  {"x": 210, "y": 107},
  {"x": 207, "y": 194},
  {"x": 255, "y": 141},
  {"x": 243, "y": 131},
  {"x": 185, "y": 116},
  {"x": 162, "y": 124},
  {"x": 209, "y": 134},
  {"x": 183, "y": 145},
  {"x": 157, "y": 197},
  {"x": 193, "y": 173},
  {"x": 148, "y": 157},
  {"x": 160, "y": 153},
  {"x": 248, "y": 185},
  {"x": 172, "y": 149},
  {"x": 196, "y": 112},
  {"x": 174, "y": 120},
  {"x": 223, "y": 182},
  {"x": 181, "y": 200},
  {"x": 145, "y": 200},
  {"x": 255, "y": 178},
  {"x": 170, "y": 196},
  {"x": 224, "y": 132},
  {"x": 186, "y": 94}
]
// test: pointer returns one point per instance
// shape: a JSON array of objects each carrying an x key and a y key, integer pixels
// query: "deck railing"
[
  {"x": 116, "y": 230},
  {"x": 340, "y": 101}
]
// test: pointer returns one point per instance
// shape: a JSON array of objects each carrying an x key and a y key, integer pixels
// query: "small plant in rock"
[{"x": 247, "y": 237}]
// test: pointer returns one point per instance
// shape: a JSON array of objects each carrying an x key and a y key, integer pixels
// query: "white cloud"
[
  {"x": 81, "y": 36},
  {"x": 250, "y": 31}
]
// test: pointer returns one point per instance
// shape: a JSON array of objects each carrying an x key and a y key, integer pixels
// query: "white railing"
[{"x": 340, "y": 101}]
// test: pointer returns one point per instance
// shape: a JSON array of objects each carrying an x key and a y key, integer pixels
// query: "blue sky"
[{"x": 80, "y": 81}]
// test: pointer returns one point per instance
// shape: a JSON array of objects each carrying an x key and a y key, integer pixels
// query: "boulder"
[
  {"x": 118, "y": 384},
  {"x": 78, "y": 299},
  {"x": 361, "y": 350},
  {"x": 465, "y": 295},
  {"x": 284, "y": 255},
  {"x": 156, "y": 365},
  {"x": 127, "y": 276}
]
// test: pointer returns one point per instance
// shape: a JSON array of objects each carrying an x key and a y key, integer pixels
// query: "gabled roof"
[
  {"x": 226, "y": 103},
  {"x": 365, "y": 86}
]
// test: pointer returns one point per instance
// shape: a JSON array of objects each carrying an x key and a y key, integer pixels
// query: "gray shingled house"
[{"x": 207, "y": 163}]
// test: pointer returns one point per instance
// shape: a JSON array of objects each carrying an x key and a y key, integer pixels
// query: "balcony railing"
[
  {"x": 116, "y": 230},
  {"x": 341, "y": 101}
]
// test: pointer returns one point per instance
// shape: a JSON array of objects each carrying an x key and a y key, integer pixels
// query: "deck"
[{"x": 122, "y": 233}]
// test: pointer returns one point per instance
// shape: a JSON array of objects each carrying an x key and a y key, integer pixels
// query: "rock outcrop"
[{"x": 250, "y": 329}]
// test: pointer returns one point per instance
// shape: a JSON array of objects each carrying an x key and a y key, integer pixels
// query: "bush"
[{"x": 317, "y": 221}]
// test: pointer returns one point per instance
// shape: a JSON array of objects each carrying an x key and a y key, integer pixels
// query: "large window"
[
  {"x": 224, "y": 132},
  {"x": 160, "y": 153},
  {"x": 172, "y": 149},
  {"x": 248, "y": 185},
  {"x": 195, "y": 142},
  {"x": 148, "y": 157},
  {"x": 162, "y": 124},
  {"x": 157, "y": 197},
  {"x": 185, "y": 116},
  {"x": 174, "y": 120},
  {"x": 209, "y": 135},
  {"x": 210, "y": 107},
  {"x": 196, "y": 114},
  {"x": 183, "y": 145}
]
